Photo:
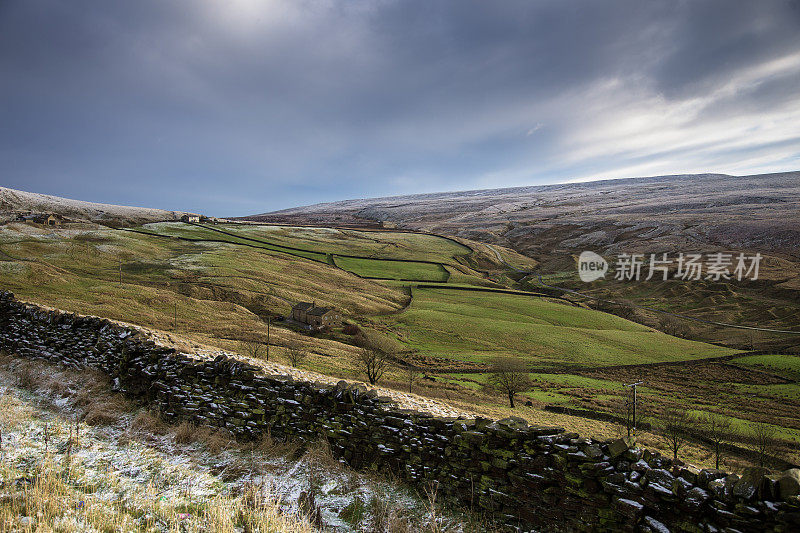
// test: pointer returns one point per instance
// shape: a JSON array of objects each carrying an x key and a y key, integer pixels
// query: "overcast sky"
[{"x": 233, "y": 107}]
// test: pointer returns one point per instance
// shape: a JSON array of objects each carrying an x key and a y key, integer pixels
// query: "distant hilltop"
[{"x": 14, "y": 203}]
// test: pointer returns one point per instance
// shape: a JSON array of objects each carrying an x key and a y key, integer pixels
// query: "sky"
[{"x": 236, "y": 107}]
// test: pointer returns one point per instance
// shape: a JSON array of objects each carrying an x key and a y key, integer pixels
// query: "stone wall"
[{"x": 526, "y": 477}]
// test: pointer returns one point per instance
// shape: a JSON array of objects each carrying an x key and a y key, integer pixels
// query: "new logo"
[{"x": 591, "y": 266}]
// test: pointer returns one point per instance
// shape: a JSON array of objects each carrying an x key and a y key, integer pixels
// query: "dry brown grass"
[
  {"x": 47, "y": 504},
  {"x": 184, "y": 433},
  {"x": 146, "y": 422}
]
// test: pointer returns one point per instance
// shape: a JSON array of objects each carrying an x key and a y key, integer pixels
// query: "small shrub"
[
  {"x": 146, "y": 422},
  {"x": 184, "y": 433},
  {"x": 351, "y": 329}
]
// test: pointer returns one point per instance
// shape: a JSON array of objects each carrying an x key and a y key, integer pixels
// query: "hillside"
[
  {"x": 443, "y": 306},
  {"x": 668, "y": 214},
  {"x": 706, "y": 209},
  {"x": 13, "y": 202}
]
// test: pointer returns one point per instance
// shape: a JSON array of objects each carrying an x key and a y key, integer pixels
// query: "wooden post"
[
  {"x": 633, "y": 422},
  {"x": 269, "y": 321}
]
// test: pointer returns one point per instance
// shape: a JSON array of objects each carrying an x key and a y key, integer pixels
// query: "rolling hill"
[
  {"x": 444, "y": 304},
  {"x": 552, "y": 224},
  {"x": 13, "y": 202}
]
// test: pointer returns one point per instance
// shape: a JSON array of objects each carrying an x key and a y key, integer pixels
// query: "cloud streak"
[{"x": 252, "y": 105}]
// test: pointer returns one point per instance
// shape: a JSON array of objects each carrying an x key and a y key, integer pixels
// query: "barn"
[{"x": 317, "y": 317}]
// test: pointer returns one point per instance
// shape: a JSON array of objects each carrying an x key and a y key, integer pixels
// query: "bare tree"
[
  {"x": 411, "y": 374},
  {"x": 626, "y": 309},
  {"x": 295, "y": 353},
  {"x": 509, "y": 375},
  {"x": 673, "y": 423},
  {"x": 673, "y": 326},
  {"x": 762, "y": 436},
  {"x": 253, "y": 349},
  {"x": 372, "y": 363},
  {"x": 717, "y": 429}
]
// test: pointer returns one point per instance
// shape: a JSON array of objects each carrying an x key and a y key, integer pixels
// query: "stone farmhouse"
[
  {"x": 316, "y": 317},
  {"x": 43, "y": 218},
  {"x": 190, "y": 217}
]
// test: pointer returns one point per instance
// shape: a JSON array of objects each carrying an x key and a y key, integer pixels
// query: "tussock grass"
[
  {"x": 47, "y": 497},
  {"x": 189, "y": 478}
]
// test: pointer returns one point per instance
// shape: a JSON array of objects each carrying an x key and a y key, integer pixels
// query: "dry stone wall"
[{"x": 525, "y": 477}]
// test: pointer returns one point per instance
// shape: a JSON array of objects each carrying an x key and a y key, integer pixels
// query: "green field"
[
  {"x": 396, "y": 270},
  {"x": 223, "y": 286},
  {"x": 478, "y": 325},
  {"x": 187, "y": 231},
  {"x": 376, "y": 244},
  {"x": 785, "y": 365},
  {"x": 421, "y": 256},
  {"x": 80, "y": 270}
]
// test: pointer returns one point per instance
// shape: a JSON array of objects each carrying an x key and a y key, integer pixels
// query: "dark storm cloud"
[{"x": 243, "y": 106}]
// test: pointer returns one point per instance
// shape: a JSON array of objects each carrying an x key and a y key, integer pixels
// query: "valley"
[{"x": 446, "y": 307}]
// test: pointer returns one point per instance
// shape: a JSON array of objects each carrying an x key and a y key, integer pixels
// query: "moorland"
[{"x": 445, "y": 301}]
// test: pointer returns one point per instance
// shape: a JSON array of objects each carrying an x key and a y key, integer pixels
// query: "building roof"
[
  {"x": 38, "y": 216},
  {"x": 319, "y": 311},
  {"x": 303, "y": 306}
]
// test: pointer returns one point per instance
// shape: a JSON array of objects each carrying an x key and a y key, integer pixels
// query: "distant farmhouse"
[
  {"x": 191, "y": 217},
  {"x": 316, "y": 317},
  {"x": 44, "y": 219}
]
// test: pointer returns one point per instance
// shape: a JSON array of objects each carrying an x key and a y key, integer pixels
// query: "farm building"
[
  {"x": 190, "y": 217},
  {"x": 300, "y": 311},
  {"x": 43, "y": 218},
  {"x": 318, "y": 317}
]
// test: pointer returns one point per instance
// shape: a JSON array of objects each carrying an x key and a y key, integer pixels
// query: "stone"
[
  {"x": 723, "y": 488},
  {"x": 660, "y": 476},
  {"x": 514, "y": 422},
  {"x": 629, "y": 508},
  {"x": 633, "y": 455},
  {"x": 689, "y": 473},
  {"x": 789, "y": 483},
  {"x": 617, "y": 448},
  {"x": 748, "y": 485},
  {"x": 655, "y": 525},
  {"x": 695, "y": 498},
  {"x": 660, "y": 491},
  {"x": 592, "y": 451},
  {"x": 680, "y": 486},
  {"x": 709, "y": 474}
]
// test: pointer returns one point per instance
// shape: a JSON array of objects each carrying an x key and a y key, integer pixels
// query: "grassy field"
[
  {"x": 753, "y": 303},
  {"x": 379, "y": 244},
  {"x": 219, "y": 292},
  {"x": 396, "y": 270},
  {"x": 222, "y": 292},
  {"x": 378, "y": 255},
  {"x": 786, "y": 365},
  {"x": 479, "y": 325}
]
